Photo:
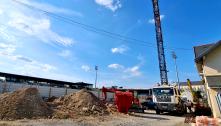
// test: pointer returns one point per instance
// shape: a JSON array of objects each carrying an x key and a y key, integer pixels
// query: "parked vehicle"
[
  {"x": 168, "y": 99},
  {"x": 148, "y": 104}
]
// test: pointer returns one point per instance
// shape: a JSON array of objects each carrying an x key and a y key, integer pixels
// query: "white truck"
[{"x": 168, "y": 99}]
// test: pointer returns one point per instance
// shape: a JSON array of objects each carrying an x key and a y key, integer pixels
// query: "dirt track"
[{"x": 148, "y": 119}]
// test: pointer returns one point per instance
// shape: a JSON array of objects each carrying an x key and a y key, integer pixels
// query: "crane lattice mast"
[{"x": 160, "y": 47}]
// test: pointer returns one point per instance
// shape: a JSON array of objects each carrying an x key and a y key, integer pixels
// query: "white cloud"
[
  {"x": 1, "y": 12},
  {"x": 152, "y": 21},
  {"x": 6, "y": 35},
  {"x": 86, "y": 68},
  {"x": 37, "y": 27},
  {"x": 25, "y": 22},
  {"x": 51, "y": 8},
  {"x": 120, "y": 49},
  {"x": 19, "y": 26},
  {"x": 141, "y": 59},
  {"x": 129, "y": 72},
  {"x": 110, "y": 4},
  {"x": 22, "y": 58},
  {"x": 47, "y": 67},
  {"x": 7, "y": 48},
  {"x": 35, "y": 67},
  {"x": 21, "y": 64},
  {"x": 26, "y": 65},
  {"x": 65, "y": 53},
  {"x": 133, "y": 71},
  {"x": 115, "y": 66}
]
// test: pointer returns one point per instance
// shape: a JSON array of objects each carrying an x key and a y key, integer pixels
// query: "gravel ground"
[{"x": 147, "y": 119}]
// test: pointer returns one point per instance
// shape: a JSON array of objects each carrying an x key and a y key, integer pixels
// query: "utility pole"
[
  {"x": 96, "y": 69},
  {"x": 177, "y": 74}
]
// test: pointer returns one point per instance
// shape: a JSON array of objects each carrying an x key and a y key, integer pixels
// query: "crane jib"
[{"x": 160, "y": 47}]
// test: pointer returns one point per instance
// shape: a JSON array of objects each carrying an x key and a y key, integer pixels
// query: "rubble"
[
  {"x": 112, "y": 108},
  {"x": 82, "y": 102},
  {"x": 23, "y": 103},
  {"x": 27, "y": 103}
]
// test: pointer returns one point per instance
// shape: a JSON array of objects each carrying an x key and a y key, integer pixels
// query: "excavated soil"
[
  {"x": 27, "y": 103},
  {"x": 23, "y": 103},
  {"x": 82, "y": 102}
]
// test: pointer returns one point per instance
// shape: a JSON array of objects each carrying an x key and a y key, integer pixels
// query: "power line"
[{"x": 96, "y": 30}]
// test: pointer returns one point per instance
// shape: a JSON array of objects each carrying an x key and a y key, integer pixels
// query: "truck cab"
[{"x": 168, "y": 99}]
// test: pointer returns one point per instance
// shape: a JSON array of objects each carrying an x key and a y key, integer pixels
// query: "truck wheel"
[{"x": 157, "y": 111}]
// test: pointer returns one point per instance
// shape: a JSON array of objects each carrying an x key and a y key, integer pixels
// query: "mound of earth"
[
  {"x": 23, "y": 103},
  {"x": 82, "y": 102}
]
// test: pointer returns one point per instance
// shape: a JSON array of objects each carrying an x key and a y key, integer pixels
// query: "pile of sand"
[
  {"x": 82, "y": 102},
  {"x": 112, "y": 108},
  {"x": 23, "y": 103}
]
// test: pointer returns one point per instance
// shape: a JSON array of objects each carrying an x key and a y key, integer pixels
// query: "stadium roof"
[{"x": 38, "y": 79}]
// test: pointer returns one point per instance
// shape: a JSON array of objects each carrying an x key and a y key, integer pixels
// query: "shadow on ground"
[
  {"x": 149, "y": 117},
  {"x": 166, "y": 114}
]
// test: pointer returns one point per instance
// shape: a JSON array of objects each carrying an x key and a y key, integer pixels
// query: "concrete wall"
[{"x": 44, "y": 90}]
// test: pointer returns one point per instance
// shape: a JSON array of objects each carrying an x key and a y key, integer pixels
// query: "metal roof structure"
[
  {"x": 203, "y": 50},
  {"x": 51, "y": 82}
]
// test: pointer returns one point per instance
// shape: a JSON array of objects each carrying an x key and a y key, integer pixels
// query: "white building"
[{"x": 208, "y": 63}]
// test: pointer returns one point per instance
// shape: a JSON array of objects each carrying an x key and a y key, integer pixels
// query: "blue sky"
[{"x": 36, "y": 44}]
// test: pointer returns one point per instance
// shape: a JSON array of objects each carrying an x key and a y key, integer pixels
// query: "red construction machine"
[{"x": 124, "y": 100}]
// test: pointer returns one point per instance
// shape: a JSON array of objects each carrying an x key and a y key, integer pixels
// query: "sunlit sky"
[{"x": 37, "y": 44}]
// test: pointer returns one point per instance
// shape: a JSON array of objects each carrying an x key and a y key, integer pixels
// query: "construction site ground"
[{"x": 149, "y": 118}]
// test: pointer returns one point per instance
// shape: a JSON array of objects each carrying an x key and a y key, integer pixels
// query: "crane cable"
[{"x": 96, "y": 30}]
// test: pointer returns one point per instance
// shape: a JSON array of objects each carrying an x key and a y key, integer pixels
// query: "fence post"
[
  {"x": 66, "y": 90},
  {"x": 4, "y": 87},
  {"x": 49, "y": 95}
]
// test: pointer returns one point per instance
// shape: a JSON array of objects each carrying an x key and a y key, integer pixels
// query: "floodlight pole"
[
  {"x": 96, "y": 69},
  {"x": 177, "y": 73}
]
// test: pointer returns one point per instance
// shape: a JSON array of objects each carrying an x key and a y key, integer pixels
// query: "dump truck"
[{"x": 168, "y": 99}]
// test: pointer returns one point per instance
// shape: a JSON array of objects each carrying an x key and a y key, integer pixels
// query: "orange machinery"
[{"x": 123, "y": 100}]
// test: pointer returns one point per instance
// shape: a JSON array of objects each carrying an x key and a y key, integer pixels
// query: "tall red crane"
[{"x": 160, "y": 47}]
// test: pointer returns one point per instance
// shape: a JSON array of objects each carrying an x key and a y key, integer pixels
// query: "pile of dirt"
[
  {"x": 82, "y": 102},
  {"x": 112, "y": 108},
  {"x": 23, "y": 103}
]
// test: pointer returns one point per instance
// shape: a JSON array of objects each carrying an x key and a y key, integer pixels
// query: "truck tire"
[
  {"x": 185, "y": 109},
  {"x": 157, "y": 111}
]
